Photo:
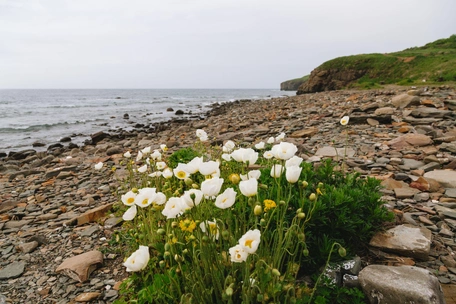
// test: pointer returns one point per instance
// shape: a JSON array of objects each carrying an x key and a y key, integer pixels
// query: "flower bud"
[
  {"x": 262, "y": 222},
  {"x": 167, "y": 246},
  {"x": 301, "y": 215},
  {"x": 229, "y": 291},
  {"x": 305, "y": 252},
  {"x": 188, "y": 181},
  {"x": 161, "y": 231},
  {"x": 276, "y": 272},
  {"x": 342, "y": 251},
  {"x": 258, "y": 210},
  {"x": 195, "y": 186},
  {"x": 167, "y": 254},
  {"x": 185, "y": 251},
  {"x": 263, "y": 186},
  {"x": 174, "y": 224},
  {"x": 320, "y": 184},
  {"x": 234, "y": 178},
  {"x": 191, "y": 238},
  {"x": 312, "y": 197},
  {"x": 302, "y": 237},
  {"x": 304, "y": 184},
  {"x": 135, "y": 190},
  {"x": 225, "y": 234},
  {"x": 162, "y": 264}
]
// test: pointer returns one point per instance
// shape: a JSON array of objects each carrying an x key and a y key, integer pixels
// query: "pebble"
[{"x": 57, "y": 203}]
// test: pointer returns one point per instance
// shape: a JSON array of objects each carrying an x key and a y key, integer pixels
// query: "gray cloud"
[{"x": 200, "y": 43}]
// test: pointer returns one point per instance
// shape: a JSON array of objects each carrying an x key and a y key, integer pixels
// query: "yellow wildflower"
[
  {"x": 187, "y": 225},
  {"x": 269, "y": 204}
]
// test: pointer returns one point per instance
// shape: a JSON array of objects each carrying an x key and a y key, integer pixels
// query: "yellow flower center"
[
  {"x": 248, "y": 243},
  {"x": 130, "y": 200},
  {"x": 181, "y": 174},
  {"x": 144, "y": 202}
]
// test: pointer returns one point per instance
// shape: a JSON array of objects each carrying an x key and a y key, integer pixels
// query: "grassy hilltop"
[{"x": 434, "y": 62}]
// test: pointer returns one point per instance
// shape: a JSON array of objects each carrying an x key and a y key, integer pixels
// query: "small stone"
[
  {"x": 87, "y": 296},
  {"x": 81, "y": 266},
  {"x": 12, "y": 270},
  {"x": 27, "y": 247}
]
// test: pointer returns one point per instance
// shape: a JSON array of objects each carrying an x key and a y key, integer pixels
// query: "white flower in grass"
[
  {"x": 210, "y": 228},
  {"x": 238, "y": 254},
  {"x": 209, "y": 168},
  {"x": 156, "y": 155},
  {"x": 143, "y": 199},
  {"x": 142, "y": 169},
  {"x": 294, "y": 161},
  {"x": 228, "y": 146},
  {"x": 293, "y": 173},
  {"x": 138, "y": 260},
  {"x": 201, "y": 133},
  {"x": 226, "y": 199},
  {"x": 128, "y": 198},
  {"x": 156, "y": 174},
  {"x": 160, "y": 165},
  {"x": 127, "y": 154},
  {"x": 204, "y": 138},
  {"x": 173, "y": 207},
  {"x": 268, "y": 155},
  {"x": 167, "y": 173},
  {"x": 226, "y": 156},
  {"x": 193, "y": 166},
  {"x": 98, "y": 166},
  {"x": 181, "y": 171},
  {"x": 284, "y": 150},
  {"x": 192, "y": 197},
  {"x": 244, "y": 177},
  {"x": 254, "y": 174},
  {"x": 211, "y": 187},
  {"x": 249, "y": 187},
  {"x": 250, "y": 241},
  {"x": 271, "y": 140},
  {"x": 163, "y": 147},
  {"x": 146, "y": 150},
  {"x": 130, "y": 213},
  {"x": 260, "y": 145},
  {"x": 280, "y": 137},
  {"x": 139, "y": 156},
  {"x": 245, "y": 155},
  {"x": 344, "y": 120},
  {"x": 276, "y": 171}
]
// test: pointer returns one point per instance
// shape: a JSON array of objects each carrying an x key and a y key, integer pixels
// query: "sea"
[{"x": 29, "y": 116}]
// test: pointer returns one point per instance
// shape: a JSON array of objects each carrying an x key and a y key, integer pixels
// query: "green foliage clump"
[{"x": 290, "y": 227}]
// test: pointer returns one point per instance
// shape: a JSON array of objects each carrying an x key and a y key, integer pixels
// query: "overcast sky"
[{"x": 201, "y": 43}]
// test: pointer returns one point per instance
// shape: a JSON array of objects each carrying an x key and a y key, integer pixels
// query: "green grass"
[
  {"x": 434, "y": 62},
  {"x": 293, "y": 84}
]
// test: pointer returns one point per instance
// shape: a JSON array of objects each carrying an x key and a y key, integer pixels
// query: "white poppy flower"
[
  {"x": 146, "y": 150},
  {"x": 245, "y": 155},
  {"x": 139, "y": 156},
  {"x": 250, "y": 240},
  {"x": 181, "y": 171},
  {"x": 98, "y": 166},
  {"x": 226, "y": 199},
  {"x": 130, "y": 213},
  {"x": 167, "y": 173},
  {"x": 249, "y": 187},
  {"x": 294, "y": 161},
  {"x": 142, "y": 169},
  {"x": 160, "y": 165},
  {"x": 210, "y": 228},
  {"x": 211, "y": 187},
  {"x": 271, "y": 140},
  {"x": 173, "y": 207},
  {"x": 344, "y": 120},
  {"x": 128, "y": 198},
  {"x": 156, "y": 155},
  {"x": 238, "y": 254},
  {"x": 268, "y": 155},
  {"x": 260, "y": 145},
  {"x": 293, "y": 173},
  {"x": 127, "y": 154},
  {"x": 276, "y": 171},
  {"x": 138, "y": 260},
  {"x": 254, "y": 174},
  {"x": 209, "y": 168},
  {"x": 284, "y": 150},
  {"x": 201, "y": 133},
  {"x": 192, "y": 197},
  {"x": 228, "y": 146},
  {"x": 280, "y": 137},
  {"x": 226, "y": 156}
]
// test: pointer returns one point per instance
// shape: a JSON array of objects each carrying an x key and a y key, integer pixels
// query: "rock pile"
[{"x": 54, "y": 221}]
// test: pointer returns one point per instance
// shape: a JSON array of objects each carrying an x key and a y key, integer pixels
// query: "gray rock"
[
  {"x": 329, "y": 151},
  {"x": 406, "y": 240},
  {"x": 404, "y": 100},
  {"x": 401, "y": 284},
  {"x": 446, "y": 178},
  {"x": 13, "y": 270}
]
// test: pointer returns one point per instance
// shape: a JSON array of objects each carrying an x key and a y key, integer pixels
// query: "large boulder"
[{"x": 400, "y": 284}]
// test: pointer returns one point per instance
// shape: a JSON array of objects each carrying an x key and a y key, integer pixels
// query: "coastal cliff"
[
  {"x": 434, "y": 62},
  {"x": 293, "y": 84}
]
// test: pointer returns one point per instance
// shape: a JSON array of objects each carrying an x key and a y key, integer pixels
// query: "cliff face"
[
  {"x": 327, "y": 80},
  {"x": 293, "y": 84}
]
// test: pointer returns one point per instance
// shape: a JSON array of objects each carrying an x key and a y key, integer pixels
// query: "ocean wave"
[{"x": 20, "y": 129}]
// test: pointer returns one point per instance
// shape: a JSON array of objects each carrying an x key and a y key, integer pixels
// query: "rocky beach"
[{"x": 57, "y": 212}]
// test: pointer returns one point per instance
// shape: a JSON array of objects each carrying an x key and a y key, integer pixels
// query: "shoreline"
[{"x": 46, "y": 198}]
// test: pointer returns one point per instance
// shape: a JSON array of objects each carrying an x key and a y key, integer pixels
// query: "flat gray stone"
[
  {"x": 16, "y": 224},
  {"x": 450, "y": 192},
  {"x": 446, "y": 178},
  {"x": 404, "y": 100},
  {"x": 405, "y": 240},
  {"x": 328, "y": 151},
  {"x": 400, "y": 284},
  {"x": 405, "y": 192},
  {"x": 12, "y": 271}
]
